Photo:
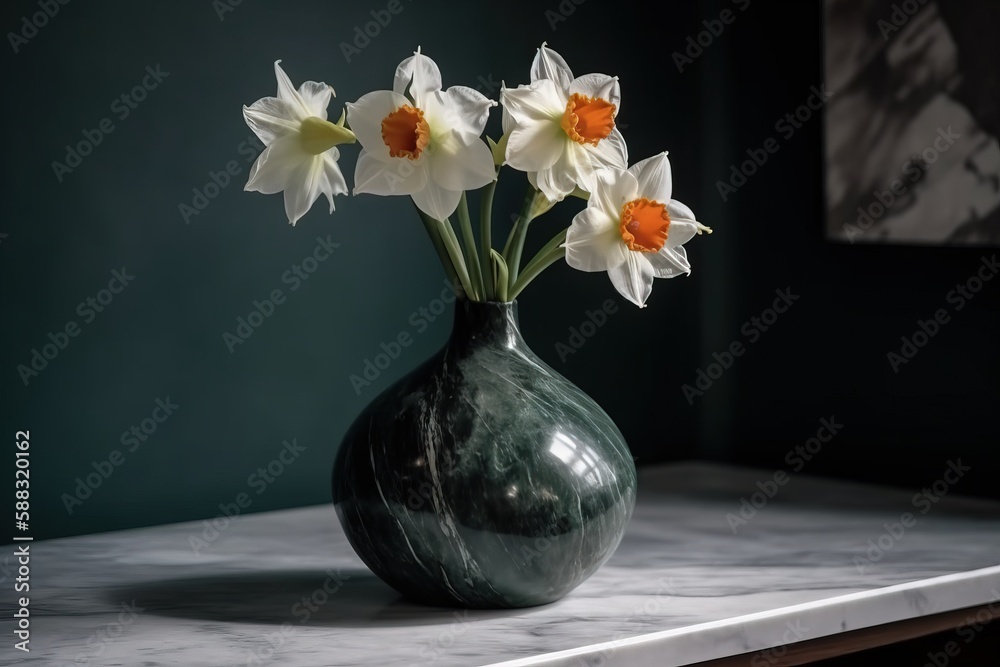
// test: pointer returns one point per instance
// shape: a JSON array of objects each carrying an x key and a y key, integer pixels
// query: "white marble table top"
[{"x": 285, "y": 588}]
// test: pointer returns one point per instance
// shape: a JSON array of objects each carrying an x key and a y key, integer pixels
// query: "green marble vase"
[{"x": 484, "y": 479}]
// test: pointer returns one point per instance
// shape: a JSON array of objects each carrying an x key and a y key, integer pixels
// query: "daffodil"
[
  {"x": 424, "y": 142},
  {"x": 632, "y": 229},
  {"x": 560, "y": 129},
  {"x": 300, "y": 158},
  {"x": 421, "y": 141}
]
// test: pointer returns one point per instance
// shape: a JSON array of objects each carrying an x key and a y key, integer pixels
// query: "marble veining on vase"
[{"x": 484, "y": 478}]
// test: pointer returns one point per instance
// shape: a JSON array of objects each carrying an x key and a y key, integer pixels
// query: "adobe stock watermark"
[
  {"x": 895, "y": 532},
  {"x": 794, "y": 633},
  {"x": 487, "y": 85},
  {"x": 796, "y": 459},
  {"x": 581, "y": 333},
  {"x": 223, "y": 7},
  {"x": 914, "y": 169},
  {"x": 420, "y": 320},
  {"x": 900, "y": 16},
  {"x": 967, "y": 632},
  {"x": 786, "y": 126},
  {"x": 258, "y": 481},
  {"x": 131, "y": 440},
  {"x": 364, "y": 34},
  {"x": 302, "y": 610},
  {"x": 561, "y": 12},
  {"x": 294, "y": 277},
  {"x": 652, "y": 606},
  {"x": 122, "y": 107},
  {"x": 752, "y": 331},
  {"x": 88, "y": 309},
  {"x": 697, "y": 44},
  {"x": 926, "y": 330},
  {"x": 431, "y": 650},
  {"x": 32, "y": 23},
  {"x": 98, "y": 642},
  {"x": 218, "y": 181}
]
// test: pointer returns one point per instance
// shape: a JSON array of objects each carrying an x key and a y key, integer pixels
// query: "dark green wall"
[{"x": 162, "y": 335}]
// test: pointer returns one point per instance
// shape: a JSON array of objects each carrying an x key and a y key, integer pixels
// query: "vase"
[{"x": 484, "y": 479}]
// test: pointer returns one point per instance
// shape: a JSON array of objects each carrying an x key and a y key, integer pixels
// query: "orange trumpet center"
[
  {"x": 587, "y": 120},
  {"x": 645, "y": 225},
  {"x": 405, "y": 132}
]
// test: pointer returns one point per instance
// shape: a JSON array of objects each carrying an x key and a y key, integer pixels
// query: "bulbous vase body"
[{"x": 484, "y": 479}]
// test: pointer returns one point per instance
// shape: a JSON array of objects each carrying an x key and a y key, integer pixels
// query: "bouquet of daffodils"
[{"x": 424, "y": 142}]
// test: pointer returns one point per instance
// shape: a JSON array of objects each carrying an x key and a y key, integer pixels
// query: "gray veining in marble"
[{"x": 681, "y": 588}]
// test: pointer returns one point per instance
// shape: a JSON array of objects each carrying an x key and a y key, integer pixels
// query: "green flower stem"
[
  {"x": 515, "y": 243},
  {"x": 442, "y": 252},
  {"x": 510, "y": 238},
  {"x": 455, "y": 252},
  {"x": 486, "y": 239},
  {"x": 546, "y": 257},
  {"x": 469, "y": 241},
  {"x": 500, "y": 277}
]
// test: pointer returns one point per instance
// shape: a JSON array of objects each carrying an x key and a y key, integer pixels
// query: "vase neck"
[{"x": 486, "y": 323}]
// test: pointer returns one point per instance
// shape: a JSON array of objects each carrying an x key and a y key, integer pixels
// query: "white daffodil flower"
[
  {"x": 632, "y": 229},
  {"x": 560, "y": 129},
  {"x": 300, "y": 158},
  {"x": 422, "y": 141}
]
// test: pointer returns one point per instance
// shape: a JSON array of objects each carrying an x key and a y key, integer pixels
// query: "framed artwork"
[{"x": 912, "y": 125}]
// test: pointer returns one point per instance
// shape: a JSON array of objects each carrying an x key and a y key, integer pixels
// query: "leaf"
[
  {"x": 500, "y": 274},
  {"x": 499, "y": 149}
]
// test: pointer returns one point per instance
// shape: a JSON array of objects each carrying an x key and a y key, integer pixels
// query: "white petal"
[
  {"x": 419, "y": 74},
  {"x": 679, "y": 211},
  {"x": 680, "y": 232},
  {"x": 461, "y": 109},
  {"x": 610, "y": 152},
  {"x": 683, "y": 224},
  {"x": 316, "y": 97},
  {"x": 303, "y": 188},
  {"x": 465, "y": 168},
  {"x": 614, "y": 188},
  {"x": 573, "y": 168},
  {"x": 539, "y": 101},
  {"x": 332, "y": 182},
  {"x": 633, "y": 278},
  {"x": 437, "y": 202},
  {"x": 287, "y": 93},
  {"x": 507, "y": 121},
  {"x": 550, "y": 65},
  {"x": 669, "y": 262},
  {"x": 535, "y": 145},
  {"x": 655, "y": 178},
  {"x": 608, "y": 194},
  {"x": 598, "y": 85},
  {"x": 270, "y": 118},
  {"x": 273, "y": 168},
  {"x": 365, "y": 118},
  {"x": 593, "y": 241},
  {"x": 401, "y": 176}
]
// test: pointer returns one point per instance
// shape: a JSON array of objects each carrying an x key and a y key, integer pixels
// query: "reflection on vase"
[{"x": 484, "y": 478}]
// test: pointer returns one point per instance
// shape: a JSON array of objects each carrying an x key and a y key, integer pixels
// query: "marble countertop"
[{"x": 693, "y": 580}]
